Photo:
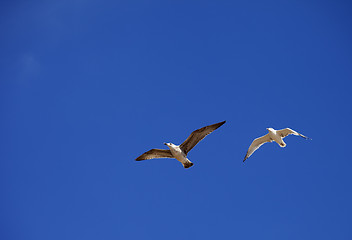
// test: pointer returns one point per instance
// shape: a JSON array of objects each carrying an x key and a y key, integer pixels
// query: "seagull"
[
  {"x": 180, "y": 151},
  {"x": 273, "y": 135}
]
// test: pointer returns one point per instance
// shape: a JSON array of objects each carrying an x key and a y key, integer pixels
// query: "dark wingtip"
[
  {"x": 220, "y": 124},
  {"x": 140, "y": 158},
  {"x": 245, "y": 158}
]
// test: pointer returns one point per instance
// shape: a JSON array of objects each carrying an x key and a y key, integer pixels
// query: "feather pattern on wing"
[
  {"x": 197, "y": 135},
  {"x": 155, "y": 153}
]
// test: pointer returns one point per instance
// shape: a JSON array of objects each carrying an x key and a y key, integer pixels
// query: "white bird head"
[
  {"x": 270, "y": 129},
  {"x": 169, "y": 144}
]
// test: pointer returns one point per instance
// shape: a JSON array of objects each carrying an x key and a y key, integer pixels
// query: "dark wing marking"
[
  {"x": 197, "y": 135},
  {"x": 155, "y": 153},
  {"x": 256, "y": 144}
]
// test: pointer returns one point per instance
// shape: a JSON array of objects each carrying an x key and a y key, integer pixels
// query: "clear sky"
[{"x": 88, "y": 86}]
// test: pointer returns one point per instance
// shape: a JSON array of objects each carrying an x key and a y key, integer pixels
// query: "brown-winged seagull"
[
  {"x": 180, "y": 151},
  {"x": 273, "y": 135}
]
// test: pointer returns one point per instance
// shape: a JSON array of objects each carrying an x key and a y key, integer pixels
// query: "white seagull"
[
  {"x": 180, "y": 151},
  {"x": 273, "y": 135}
]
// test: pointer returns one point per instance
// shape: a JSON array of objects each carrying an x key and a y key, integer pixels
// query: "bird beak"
[{"x": 165, "y": 144}]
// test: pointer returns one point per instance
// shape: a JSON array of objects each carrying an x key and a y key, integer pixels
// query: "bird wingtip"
[{"x": 221, "y": 123}]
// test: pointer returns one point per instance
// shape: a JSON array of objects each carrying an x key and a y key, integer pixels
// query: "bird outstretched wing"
[
  {"x": 287, "y": 131},
  {"x": 197, "y": 135},
  {"x": 256, "y": 144},
  {"x": 155, "y": 153}
]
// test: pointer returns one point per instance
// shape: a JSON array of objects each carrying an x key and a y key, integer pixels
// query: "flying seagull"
[
  {"x": 180, "y": 151},
  {"x": 273, "y": 135}
]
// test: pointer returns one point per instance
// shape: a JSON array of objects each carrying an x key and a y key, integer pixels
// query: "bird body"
[
  {"x": 180, "y": 151},
  {"x": 273, "y": 135},
  {"x": 180, "y": 155}
]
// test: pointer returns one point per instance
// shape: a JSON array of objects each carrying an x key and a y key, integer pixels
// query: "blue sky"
[{"x": 88, "y": 86}]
